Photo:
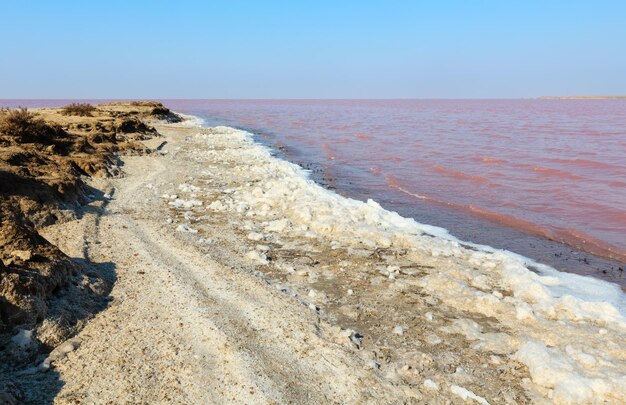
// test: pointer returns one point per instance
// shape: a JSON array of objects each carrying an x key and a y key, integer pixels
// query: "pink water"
[{"x": 554, "y": 169}]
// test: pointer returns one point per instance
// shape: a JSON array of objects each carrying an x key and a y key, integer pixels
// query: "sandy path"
[{"x": 183, "y": 328}]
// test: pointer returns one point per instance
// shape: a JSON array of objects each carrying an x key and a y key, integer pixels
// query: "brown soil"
[{"x": 44, "y": 157}]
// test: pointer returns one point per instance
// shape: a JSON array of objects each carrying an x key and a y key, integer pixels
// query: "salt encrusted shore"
[{"x": 239, "y": 280}]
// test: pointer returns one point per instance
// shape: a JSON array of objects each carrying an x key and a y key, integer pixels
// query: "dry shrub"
[
  {"x": 80, "y": 109},
  {"x": 25, "y": 126}
]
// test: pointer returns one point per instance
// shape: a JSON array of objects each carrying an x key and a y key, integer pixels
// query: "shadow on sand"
[{"x": 22, "y": 379}]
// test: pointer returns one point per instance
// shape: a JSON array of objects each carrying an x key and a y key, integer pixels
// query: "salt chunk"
[
  {"x": 433, "y": 339},
  {"x": 23, "y": 338},
  {"x": 180, "y": 203},
  {"x": 431, "y": 385},
  {"x": 60, "y": 352},
  {"x": 255, "y": 236},
  {"x": 217, "y": 206},
  {"x": 393, "y": 269},
  {"x": 429, "y": 316},
  {"x": 465, "y": 394},
  {"x": 398, "y": 330},
  {"x": 188, "y": 188},
  {"x": 186, "y": 228},
  {"x": 524, "y": 311},
  {"x": 350, "y": 292},
  {"x": 257, "y": 257},
  {"x": 277, "y": 226},
  {"x": 373, "y": 365}
]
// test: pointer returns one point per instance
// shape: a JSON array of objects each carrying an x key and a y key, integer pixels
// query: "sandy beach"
[{"x": 236, "y": 279}]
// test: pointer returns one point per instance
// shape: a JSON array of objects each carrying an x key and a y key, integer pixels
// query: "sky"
[{"x": 311, "y": 49}]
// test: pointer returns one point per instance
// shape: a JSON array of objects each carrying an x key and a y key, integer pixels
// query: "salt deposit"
[
  {"x": 180, "y": 203},
  {"x": 469, "y": 276},
  {"x": 467, "y": 394},
  {"x": 186, "y": 228},
  {"x": 257, "y": 257},
  {"x": 569, "y": 330},
  {"x": 23, "y": 338},
  {"x": 188, "y": 188},
  {"x": 431, "y": 385}
]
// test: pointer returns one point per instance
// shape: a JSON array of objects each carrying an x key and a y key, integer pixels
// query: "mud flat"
[{"x": 237, "y": 279}]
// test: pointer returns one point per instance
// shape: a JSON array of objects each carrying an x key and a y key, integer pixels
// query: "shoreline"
[
  {"x": 537, "y": 245},
  {"x": 438, "y": 231},
  {"x": 270, "y": 188},
  {"x": 572, "y": 248},
  {"x": 274, "y": 187},
  {"x": 234, "y": 269}
]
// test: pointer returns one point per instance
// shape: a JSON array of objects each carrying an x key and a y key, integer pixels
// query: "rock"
[{"x": 23, "y": 255}]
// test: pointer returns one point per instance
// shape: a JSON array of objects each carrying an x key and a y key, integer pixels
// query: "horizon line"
[{"x": 545, "y": 97}]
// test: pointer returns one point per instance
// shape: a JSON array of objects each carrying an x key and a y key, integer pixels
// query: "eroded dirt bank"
[{"x": 45, "y": 157}]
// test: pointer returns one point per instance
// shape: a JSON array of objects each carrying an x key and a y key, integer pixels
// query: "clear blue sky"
[{"x": 311, "y": 49}]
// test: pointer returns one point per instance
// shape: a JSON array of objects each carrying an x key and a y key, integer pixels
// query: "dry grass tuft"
[
  {"x": 25, "y": 126},
  {"x": 80, "y": 109}
]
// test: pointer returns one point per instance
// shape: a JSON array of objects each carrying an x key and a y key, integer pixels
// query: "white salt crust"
[{"x": 569, "y": 330}]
